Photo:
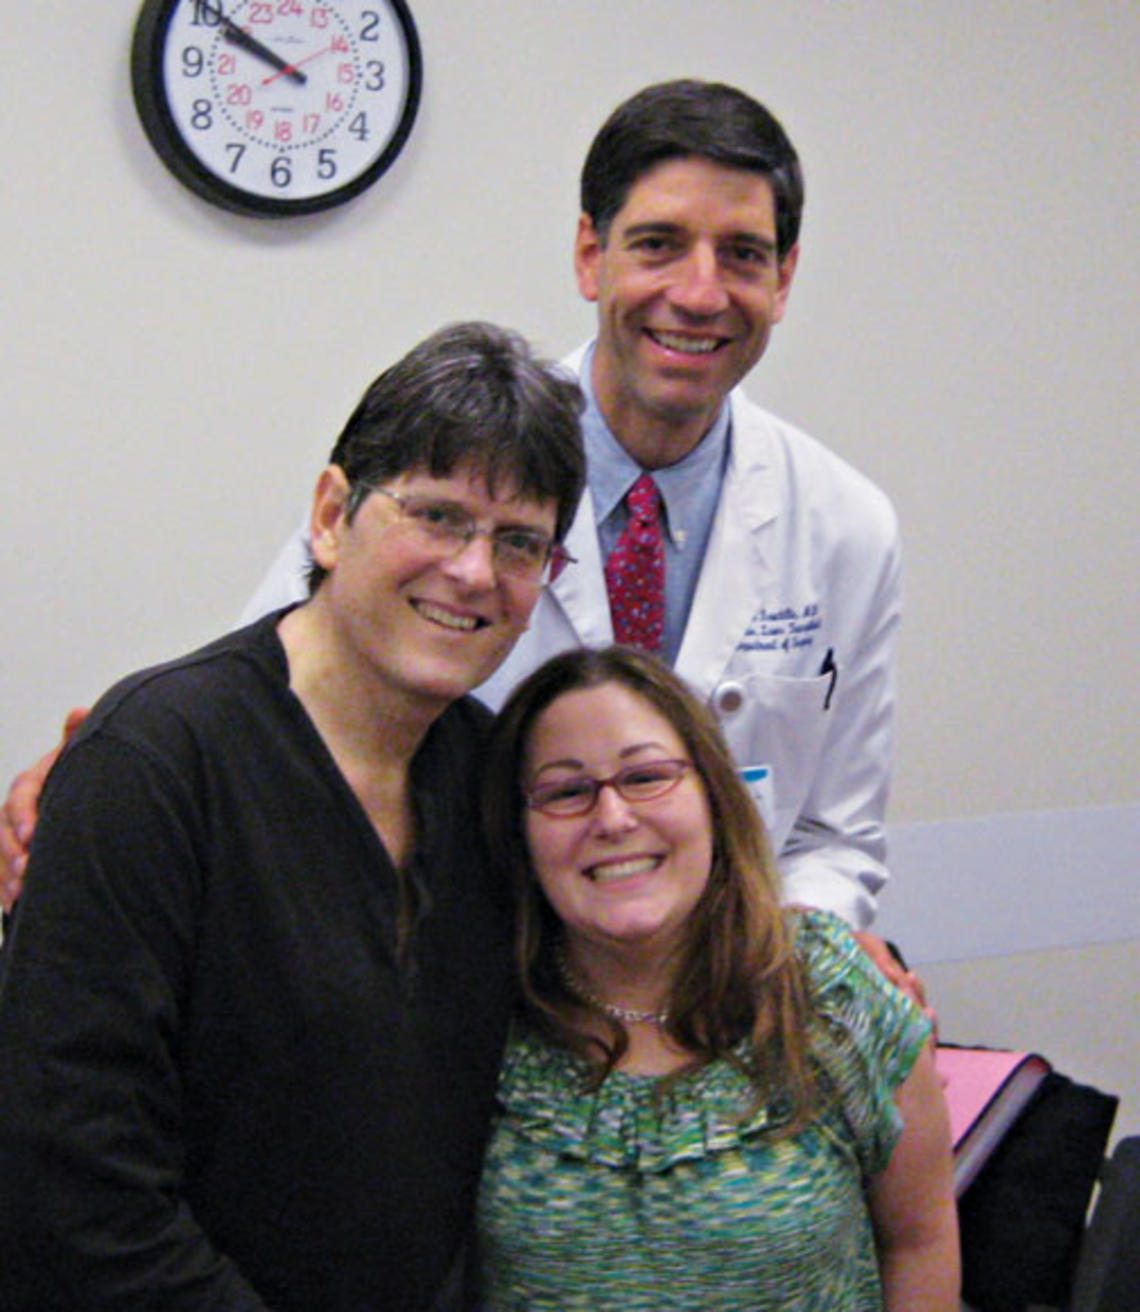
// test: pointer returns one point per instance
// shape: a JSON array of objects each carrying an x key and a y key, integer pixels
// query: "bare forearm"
[{"x": 924, "y": 1276}]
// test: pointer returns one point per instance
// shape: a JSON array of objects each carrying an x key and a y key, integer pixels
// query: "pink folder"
[{"x": 986, "y": 1090}]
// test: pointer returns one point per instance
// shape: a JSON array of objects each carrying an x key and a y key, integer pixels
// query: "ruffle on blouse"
[{"x": 627, "y": 1123}]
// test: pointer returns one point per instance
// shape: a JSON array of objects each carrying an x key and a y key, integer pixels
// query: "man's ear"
[
  {"x": 329, "y": 515},
  {"x": 587, "y": 257},
  {"x": 785, "y": 272}
]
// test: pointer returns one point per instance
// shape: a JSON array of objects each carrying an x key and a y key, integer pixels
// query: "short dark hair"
[
  {"x": 689, "y": 118},
  {"x": 471, "y": 394}
]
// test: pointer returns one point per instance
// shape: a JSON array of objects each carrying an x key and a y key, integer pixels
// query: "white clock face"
[{"x": 288, "y": 100}]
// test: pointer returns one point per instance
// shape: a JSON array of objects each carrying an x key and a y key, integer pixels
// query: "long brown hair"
[{"x": 737, "y": 974}]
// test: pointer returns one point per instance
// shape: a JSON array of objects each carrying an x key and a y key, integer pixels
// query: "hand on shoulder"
[
  {"x": 20, "y": 811},
  {"x": 888, "y": 961}
]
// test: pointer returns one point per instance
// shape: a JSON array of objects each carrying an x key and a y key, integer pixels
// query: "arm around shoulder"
[{"x": 18, "y": 816}]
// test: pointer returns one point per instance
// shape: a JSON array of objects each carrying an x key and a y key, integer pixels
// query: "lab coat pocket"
[{"x": 781, "y": 724}]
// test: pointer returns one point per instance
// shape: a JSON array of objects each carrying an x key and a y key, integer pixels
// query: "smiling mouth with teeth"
[
  {"x": 437, "y": 615},
  {"x": 686, "y": 345},
  {"x": 618, "y": 870}
]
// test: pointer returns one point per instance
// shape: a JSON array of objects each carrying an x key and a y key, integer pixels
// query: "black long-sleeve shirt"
[{"x": 220, "y": 1087}]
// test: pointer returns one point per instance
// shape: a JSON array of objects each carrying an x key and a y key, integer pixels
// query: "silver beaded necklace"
[{"x": 578, "y": 988}]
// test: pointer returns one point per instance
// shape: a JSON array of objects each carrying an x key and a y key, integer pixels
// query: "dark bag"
[{"x": 1023, "y": 1218}]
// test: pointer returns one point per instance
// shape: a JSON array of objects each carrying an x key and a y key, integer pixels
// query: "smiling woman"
[
  {"x": 624, "y": 875},
  {"x": 721, "y": 1106}
]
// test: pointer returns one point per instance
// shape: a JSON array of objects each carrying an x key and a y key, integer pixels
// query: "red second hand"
[{"x": 292, "y": 68}]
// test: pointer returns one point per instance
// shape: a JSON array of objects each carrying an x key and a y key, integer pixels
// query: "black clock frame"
[{"x": 149, "y": 88}]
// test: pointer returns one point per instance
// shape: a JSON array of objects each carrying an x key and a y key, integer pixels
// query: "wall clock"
[{"x": 276, "y": 107}]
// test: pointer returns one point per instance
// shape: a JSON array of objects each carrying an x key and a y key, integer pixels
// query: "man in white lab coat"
[{"x": 782, "y": 562}]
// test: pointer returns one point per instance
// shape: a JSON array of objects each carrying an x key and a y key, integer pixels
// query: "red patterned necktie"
[{"x": 635, "y": 571}]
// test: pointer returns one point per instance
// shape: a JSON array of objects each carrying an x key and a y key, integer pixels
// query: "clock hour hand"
[{"x": 239, "y": 37}]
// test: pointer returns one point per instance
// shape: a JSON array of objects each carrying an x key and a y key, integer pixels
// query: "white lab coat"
[
  {"x": 802, "y": 572},
  {"x": 803, "y": 561}
]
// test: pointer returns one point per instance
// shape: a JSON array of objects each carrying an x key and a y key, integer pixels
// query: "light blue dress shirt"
[{"x": 690, "y": 491}]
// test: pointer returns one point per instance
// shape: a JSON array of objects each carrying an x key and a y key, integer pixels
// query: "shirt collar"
[{"x": 613, "y": 471}]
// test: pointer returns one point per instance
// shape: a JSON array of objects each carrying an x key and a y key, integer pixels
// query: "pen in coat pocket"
[{"x": 829, "y": 667}]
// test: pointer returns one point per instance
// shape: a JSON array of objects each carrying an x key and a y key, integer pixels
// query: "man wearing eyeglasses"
[
  {"x": 253, "y": 1000},
  {"x": 782, "y": 564},
  {"x": 782, "y": 589}
]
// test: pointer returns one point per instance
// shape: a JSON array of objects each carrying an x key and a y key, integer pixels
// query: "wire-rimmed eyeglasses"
[
  {"x": 516, "y": 551},
  {"x": 578, "y": 794}
]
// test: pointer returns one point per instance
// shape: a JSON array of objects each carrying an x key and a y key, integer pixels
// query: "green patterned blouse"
[{"x": 617, "y": 1200}]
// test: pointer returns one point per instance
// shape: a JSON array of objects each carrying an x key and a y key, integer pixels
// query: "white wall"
[{"x": 963, "y": 328}]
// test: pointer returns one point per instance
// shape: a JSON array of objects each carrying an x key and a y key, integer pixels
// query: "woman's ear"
[{"x": 329, "y": 516}]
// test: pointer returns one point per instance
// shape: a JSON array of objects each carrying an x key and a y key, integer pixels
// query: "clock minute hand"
[{"x": 239, "y": 37}]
